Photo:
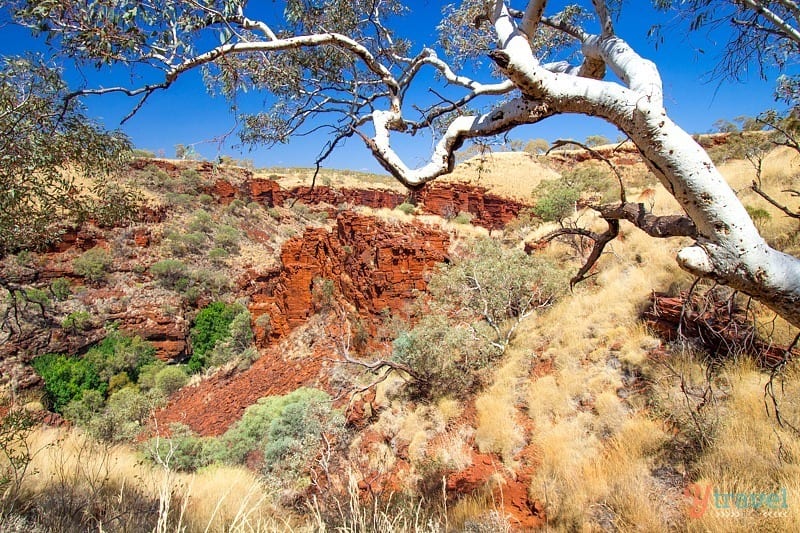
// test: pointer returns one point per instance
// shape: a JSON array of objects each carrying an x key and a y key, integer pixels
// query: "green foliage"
[
  {"x": 463, "y": 218},
  {"x": 171, "y": 378},
  {"x": 212, "y": 325},
  {"x": 597, "y": 140},
  {"x": 77, "y": 321},
  {"x": 227, "y": 238},
  {"x": 322, "y": 292},
  {"x": 496, "y": 285},
  {"x": 93, "y": 264},
  {"x": 65, "y": 378},
  {"x": 171, "y": 273},
  {"x": 536, "y": 146},
  {"x": 201, "y": 221},
  {"x": 119, "y": 352},
  {"x": 218, "y": 255},
  {"x": 148, "y": 373},
  {"x": 37, "y": 296},
  {"x": 185, "y": 450},
  {"x": 759, "y": 215},
  {"x": 749, "y": 145},
  {"x": 407, "y": 208},
  {"x": 183, "y": 244},
  {"x": 191, "y": 179},
  {"x": 287, "y": 429},
  {"x": 123, "y": 417},
  {"x": 445, "y": 358},
  {"x": 555, "y": 200},
  {"x": 141, "y": 153},
  {"x": 473, "y": 308},
  {"x": 61, "y": 289},
  {"x": 37, "y": 198}
]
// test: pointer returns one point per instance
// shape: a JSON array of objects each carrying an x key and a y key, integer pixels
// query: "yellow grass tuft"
[
  {"x": 497, "y": 429},
  {"x": 221, "y": 498}
]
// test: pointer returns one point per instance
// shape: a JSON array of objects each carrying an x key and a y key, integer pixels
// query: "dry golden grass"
[
  {"x": 295, "y": 177},
  {"x": 511, "y": 174},
  {"x": 751, "y": 453},
  {"x": 221, "y": 498},
  {"x": 497, "y": 427}
]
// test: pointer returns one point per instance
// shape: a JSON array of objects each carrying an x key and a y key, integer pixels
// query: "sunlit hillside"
[{"x": 285, "y": 364}]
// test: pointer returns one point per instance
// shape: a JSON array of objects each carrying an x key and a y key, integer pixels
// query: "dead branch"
[{"x": 759, "y": 191}]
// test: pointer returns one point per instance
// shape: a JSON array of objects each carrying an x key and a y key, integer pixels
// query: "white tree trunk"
[{"x": 728, "y": 247}]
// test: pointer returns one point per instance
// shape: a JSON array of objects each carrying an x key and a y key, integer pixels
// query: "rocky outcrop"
[
  {"x": 447, "y": 199},
  {"x": 373, "y": 264},
  {"x": 488, "y": 210}
]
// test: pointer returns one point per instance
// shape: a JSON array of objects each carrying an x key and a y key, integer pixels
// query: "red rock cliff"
[{"x": 373, "y": 264}]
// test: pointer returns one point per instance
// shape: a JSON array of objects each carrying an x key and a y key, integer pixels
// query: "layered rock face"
[
  {"x": 446, "y": 200},
  {"x": 373, "y": 264}
]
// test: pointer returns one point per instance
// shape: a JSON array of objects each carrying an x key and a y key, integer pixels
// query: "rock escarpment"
[{"x": 373, "y": 264}]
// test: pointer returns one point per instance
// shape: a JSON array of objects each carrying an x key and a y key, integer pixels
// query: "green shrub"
[
  {"x": 171, "y": 273},
  {"x": 463, "y": 218},
  {"x": 201, "y": 221},
  {"x": 65, "y": 378},
  {"x": 118, "y": 353},
  {"x": 556, "y": 201},
  {"x": 287, "y": 429},
  {"x": 239, "y": 342},
  {"x": 322, "y": 292},
  {"x": 205, "y": 199},
  {"x": 148, "y": 373},
  {"x": 218, "y": 255},
  {"x": 759, "y": 215},
  {"x": 93, "y": 264},
  {"x": 123, "y": 417},
  {"x": 496, "y": 285},
  {"x": 182, "y": 244},
  {"x": 211, "y": 326},
  {"x": 191, "y": 179},
  {"x": 227, "y": 237},
  {"x": 443, "y": 356},
  {"x": 186, "y": 451},
  {"x": 118, "y": 381},
  {"x": 61, "y": 289},
  {"x": 475, "y": 304},
  {"x": 171, "y": 378},
  {"x": 76, "y": 321},
  {"x": 215, "y": 282},
  {"x": 141, "y": 153},
  {"x": 37, "y": 296}
]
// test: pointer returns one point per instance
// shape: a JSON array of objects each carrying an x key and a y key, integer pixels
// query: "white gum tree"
[{"x": 336, "y": 64}]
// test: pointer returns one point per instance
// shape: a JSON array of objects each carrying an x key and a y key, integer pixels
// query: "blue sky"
[{"x": 187, "y": 114}]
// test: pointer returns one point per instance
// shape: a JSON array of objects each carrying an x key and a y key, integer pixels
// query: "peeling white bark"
[{"x": 728, "y": 247}]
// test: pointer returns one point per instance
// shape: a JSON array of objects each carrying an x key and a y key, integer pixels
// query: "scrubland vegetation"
[{"x": 497, "y": 366}]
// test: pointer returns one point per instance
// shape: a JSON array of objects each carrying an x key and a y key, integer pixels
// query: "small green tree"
[
  {"x": 536, "y": 146},
  {"x": 555, "y": 200},
  {"x": 171, "y": 378},
  {"x": 171, "y": 273},
  {"x": 597, "y": 140},
  {"x": 42, "y": 133}
]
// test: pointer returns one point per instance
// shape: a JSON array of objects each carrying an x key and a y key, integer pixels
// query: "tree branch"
[
  {"x": 656, "y": 226},
  {"x": 759, "y": 191}
]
